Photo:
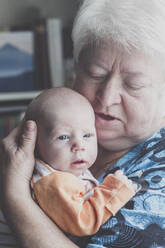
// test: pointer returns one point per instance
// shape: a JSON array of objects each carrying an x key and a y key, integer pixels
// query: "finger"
[
  {"x": 138, "y": 188},
  {"x": 125, "y": 179},
  {"x": 121, "y": 176},
  {"x": 10, "y": 140},
  {"x": 132, "y": 185},
  {"x": 129, "y": 183},
  {"x": 135, "y": 187},
  {"x": 28, "y": 137},
  {"x": 118, "y": 173}
]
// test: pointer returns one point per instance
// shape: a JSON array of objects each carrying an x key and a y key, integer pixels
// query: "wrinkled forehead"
[
  {"x": 107, "y": 54},
  {"x": 97, "y": 47}
]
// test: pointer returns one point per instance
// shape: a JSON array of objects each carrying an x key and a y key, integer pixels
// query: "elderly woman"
[{"x": 119, "y": 50}]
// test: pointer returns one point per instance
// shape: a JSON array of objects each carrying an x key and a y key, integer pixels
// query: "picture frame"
[{"x": 17, "y": 70}]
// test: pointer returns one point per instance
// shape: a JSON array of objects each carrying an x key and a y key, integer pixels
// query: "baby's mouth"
[
  {"x": 81, "y": 161},
  {"x": 79, "y": 164}
]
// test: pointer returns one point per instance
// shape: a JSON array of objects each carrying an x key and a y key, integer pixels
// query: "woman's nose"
[
  {"x": 109, "y": 92},
  {"x": 77, "y": 147}
]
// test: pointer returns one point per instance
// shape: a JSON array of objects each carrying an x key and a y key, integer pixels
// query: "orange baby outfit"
[{"x": 64, "y": 198}]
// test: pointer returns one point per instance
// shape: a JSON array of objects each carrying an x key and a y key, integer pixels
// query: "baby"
[{"x": 66, "y": 147}]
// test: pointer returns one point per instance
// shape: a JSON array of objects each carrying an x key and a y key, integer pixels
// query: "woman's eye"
[
  {"x": 88, "y": 135},
  {"x": 97, "y": 77},
  {"x": 133, "y": 86},
  {"x": 63, "y": 137}
]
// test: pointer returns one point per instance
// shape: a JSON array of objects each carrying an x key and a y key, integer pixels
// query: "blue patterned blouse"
[{"x": 141, "y": 222}]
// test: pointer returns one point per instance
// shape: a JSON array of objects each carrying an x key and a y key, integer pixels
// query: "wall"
[{"x": 14, "y": 12}]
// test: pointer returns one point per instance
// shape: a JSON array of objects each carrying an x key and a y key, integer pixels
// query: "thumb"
[{"x": 28, "y": 137}]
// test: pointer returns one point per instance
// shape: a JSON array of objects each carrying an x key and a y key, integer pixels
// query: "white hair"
[{"x": 138, "y": 24}]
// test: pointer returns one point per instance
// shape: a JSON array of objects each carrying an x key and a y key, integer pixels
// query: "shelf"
[
  {"x": 16, "y": 96},
  {"x": 17, "y": 108}
]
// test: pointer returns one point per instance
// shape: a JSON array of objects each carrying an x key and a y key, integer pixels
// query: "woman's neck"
[{"x": 105, "y": 159}]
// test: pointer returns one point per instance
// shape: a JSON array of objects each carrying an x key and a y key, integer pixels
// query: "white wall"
[{"x": 13, "y": 12}]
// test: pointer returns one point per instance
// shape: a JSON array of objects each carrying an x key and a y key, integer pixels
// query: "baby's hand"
[{"x": 119, "y": 174}]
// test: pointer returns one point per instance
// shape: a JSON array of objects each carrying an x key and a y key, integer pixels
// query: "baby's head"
[{"x": 66, "y": 129}]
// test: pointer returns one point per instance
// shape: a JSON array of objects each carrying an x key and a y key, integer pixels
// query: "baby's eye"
[
  {"x": 88, "y": 135},
  {"x": 63, "y": 137}
]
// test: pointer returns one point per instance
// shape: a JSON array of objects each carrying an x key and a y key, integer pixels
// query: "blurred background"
[
  {"x": 16, "y": 12},
  {"x": 35, "y": 53}
]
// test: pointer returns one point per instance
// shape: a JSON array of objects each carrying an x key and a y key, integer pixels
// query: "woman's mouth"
[
  {"x": 107, "y": 121},
  {"x": 105, "y": 117}
]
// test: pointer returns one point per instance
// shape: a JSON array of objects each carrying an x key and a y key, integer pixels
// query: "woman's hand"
[
  {"x": 17, "y": 159},
  {"x": 30, "y": 224}
]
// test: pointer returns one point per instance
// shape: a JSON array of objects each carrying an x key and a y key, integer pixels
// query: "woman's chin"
[
  {"x": 113, "y": 141},
  {"x": 108, "y": 134}
]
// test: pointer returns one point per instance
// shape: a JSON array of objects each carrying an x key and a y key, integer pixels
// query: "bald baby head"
[
  {"x": 65, "y": 129},
  {"x": 55, "y": 99}
]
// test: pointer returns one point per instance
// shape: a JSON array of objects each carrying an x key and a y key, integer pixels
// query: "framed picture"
[{"x": 17, "y": 72}]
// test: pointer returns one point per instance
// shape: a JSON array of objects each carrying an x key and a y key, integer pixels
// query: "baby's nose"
[{"x": 76, "y": 147}]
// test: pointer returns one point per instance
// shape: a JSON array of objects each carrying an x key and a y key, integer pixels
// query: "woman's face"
[{"x": 125, "y": 91}]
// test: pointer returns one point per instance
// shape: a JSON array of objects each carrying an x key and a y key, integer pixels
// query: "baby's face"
[{"x": 67, "y": 139}]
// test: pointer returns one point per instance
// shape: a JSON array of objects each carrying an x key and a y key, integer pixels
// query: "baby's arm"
[{"x": 60, "y": 195}]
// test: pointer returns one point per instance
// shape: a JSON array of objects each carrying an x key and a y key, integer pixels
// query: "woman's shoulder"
[{"x": 149, "y": 154}]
